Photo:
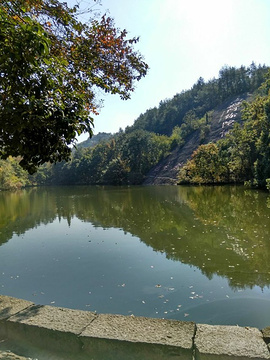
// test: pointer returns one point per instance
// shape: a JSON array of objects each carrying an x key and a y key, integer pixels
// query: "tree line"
[
  {"x": 203, "y": 97},
  {"x": 243, "y": 155},
  {"x": 127, "y": 156}
]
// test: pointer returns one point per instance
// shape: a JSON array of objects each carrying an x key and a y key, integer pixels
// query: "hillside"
[
  {"x": 156, "y": 149},
  {"x": 160, "y": 142},
  {"x": 94, "y": 140},
  {"x": 222, "y": 120}
]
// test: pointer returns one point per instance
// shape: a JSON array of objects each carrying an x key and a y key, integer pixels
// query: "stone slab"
[
  {"x": 101, "y": 349},
  {"x": 229, "y": 342},
  {"x": 48, "y": 327},
  {"x": 143, "y": 330},
  {"x": 136, "y": 338},
  {"x": 7, "y": 355},
  {"x": 266, "y": 334},
  {"x": 54, "y": 318},
  {"x": 10, "y": 306},
  {"x": 82, "y": 334}
]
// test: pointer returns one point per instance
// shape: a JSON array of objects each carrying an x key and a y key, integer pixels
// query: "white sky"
[{"x": 182, "y": 40}]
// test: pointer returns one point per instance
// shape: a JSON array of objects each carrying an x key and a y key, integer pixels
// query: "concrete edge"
[{"x": 84, "y": 331}]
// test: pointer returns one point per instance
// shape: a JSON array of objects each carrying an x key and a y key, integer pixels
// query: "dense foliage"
[
  {"x": 243, "y": 155},
  {"x": 12, "y": 176},
  {"x": 126, "y": 157},
  {"x": 50, "y": 66},
  {"x": 203, "y": 97}
]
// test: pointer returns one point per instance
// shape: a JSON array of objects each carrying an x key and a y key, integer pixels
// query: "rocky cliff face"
[{"x": 223, "y": 118}]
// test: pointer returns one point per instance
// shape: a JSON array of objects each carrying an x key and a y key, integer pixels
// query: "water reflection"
[{"x": 220, "y": 230}]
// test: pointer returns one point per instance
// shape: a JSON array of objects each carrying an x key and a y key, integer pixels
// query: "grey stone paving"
[
  {"x": 10, "y": 306},
  {"x": 266, "y": 334},
  {"x": 222, "y": 342},
  {"x": 53, "y": 318},
  {"x": 5, "y": 355},
  {"x": 87, "y": 333},
  {"x": 140, "y": 329}
]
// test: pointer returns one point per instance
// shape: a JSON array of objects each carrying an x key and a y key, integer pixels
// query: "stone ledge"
[
  {"x": 108, "y": 336},
  {"x": 139, "y": 338},
  {"x": 266, "y": 334},
  {"x": 224, "y": 342},
  {"x": 7, "y": 355},
  {"x": 54, "y": 318},
  {"x": 10, "y": 306},
  {"x": 141, "y": 329}
]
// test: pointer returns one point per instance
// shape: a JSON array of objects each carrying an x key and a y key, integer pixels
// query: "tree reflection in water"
[{"x": 220, "y": 230}]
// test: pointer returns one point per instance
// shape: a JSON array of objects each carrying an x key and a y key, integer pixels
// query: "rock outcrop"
[{"x": 223, "y": 119}]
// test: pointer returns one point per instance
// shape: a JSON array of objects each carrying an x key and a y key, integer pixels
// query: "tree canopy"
[
  {"x": 243, "y": 155},
  {"x": 203, "y": 97},
  {"x": 126, "y": 157},
  {"x": 51, "y": 66}
]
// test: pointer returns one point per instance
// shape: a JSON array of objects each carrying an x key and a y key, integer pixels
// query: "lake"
[{"x": 188, "y": 253}]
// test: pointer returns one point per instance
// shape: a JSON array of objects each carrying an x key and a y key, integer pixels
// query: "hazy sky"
[{"x": 182, "y": 40}]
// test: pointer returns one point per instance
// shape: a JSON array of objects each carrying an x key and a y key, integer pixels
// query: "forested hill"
[
  {"x": 94, "y": 140},
  {"x": 220, "y": 121},
  {"x": 161, "y": 141},
  {"x": 203, "y": 97}
]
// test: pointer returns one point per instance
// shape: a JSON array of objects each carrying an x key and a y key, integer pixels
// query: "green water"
[{"x": 188, "y": 253}]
